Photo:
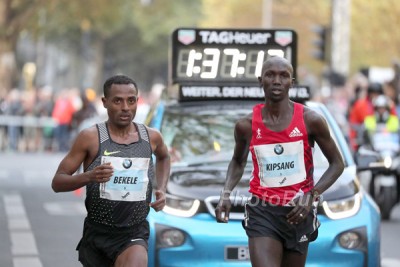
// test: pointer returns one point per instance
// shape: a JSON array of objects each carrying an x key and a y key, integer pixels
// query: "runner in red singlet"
[{"x": 280, "y": 219}]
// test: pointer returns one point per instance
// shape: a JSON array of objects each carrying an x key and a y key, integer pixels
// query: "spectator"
[
  {"x": 13, "y": 107},
  {"x": 362, "y": 108},
  {"x": 381, "y": 116},
  {"x": 44, "y": 108},
  {"x": 394, "y": 85},
  {"x": 3, "y": 128},
  {"x": 29, "y": 127},
  {"x": 62, "y": 114},
  {"x": 87, "y": 109}
]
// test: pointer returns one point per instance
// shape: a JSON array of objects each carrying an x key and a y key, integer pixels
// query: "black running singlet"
[{"x": 124, "y": 200}]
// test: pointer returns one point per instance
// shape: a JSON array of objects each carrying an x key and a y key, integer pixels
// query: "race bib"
[
  {"x": 281, "y": 164},
  {"x": 129, "y": 181}
]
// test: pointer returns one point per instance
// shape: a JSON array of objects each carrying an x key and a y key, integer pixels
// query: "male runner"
[
  {"x": 118, "y": 175},
  {"x": 280, "y": 217}
]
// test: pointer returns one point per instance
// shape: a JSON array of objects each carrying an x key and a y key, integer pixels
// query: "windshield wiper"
[{"x": 211, "y": 162}]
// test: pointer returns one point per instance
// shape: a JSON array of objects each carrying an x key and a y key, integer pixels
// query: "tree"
[
  {"x": 155, "y": 23},
  {"x": 233, "y": 13},
  {"x": 285, "y": 14},
  {"x": 15, "y": 15},
  {"x": 85, "y": 26},
  {"x": 132, "y": 36},
  {"x": 122, "y": 36},
  {"x": 374, "y": 37}
]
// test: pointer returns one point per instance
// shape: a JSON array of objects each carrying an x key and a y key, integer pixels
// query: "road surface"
[{"x": 39, "y": 228}]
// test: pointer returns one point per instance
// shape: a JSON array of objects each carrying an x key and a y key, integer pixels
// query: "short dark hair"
[{"x": 117, "y": 79}]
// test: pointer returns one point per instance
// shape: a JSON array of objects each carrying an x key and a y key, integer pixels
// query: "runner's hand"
[
  {"x": 160, "y": 201},
  {"x": 223, "y": 209},
  {"x": 301, "y": 210},
  {"x": 102, "y": 173}
]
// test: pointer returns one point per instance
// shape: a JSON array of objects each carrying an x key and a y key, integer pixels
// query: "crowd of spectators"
[
  {"x": 47, "y": 120},
  {"x": 43, "y": 119}
]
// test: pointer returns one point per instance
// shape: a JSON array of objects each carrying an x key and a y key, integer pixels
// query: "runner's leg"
[
  {"x": 294, "y": 258},
  {"x": 133, "y": 256},
  {"x": 265, "y": 252}
]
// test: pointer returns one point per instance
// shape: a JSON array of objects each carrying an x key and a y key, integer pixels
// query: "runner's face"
[
  {"x": 121, "y": 104},
  {"x": 276, "y": 79}
]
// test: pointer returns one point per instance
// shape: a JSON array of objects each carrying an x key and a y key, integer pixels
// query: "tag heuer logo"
[
  {"x": 283, "y": 37},
  {"x": 186, "y": 36}
]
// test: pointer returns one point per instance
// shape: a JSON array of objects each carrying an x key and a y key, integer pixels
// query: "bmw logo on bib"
[
  {"x": 278, "y": 149},
  {"x": 127, "y": 163}
]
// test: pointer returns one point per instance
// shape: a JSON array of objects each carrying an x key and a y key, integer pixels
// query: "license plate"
[{"x": 237, "y": 253}]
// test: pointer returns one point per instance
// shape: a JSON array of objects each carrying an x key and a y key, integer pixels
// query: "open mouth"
[
  {"x": 276, "y": 91},
  {"x": 124, "y": 117}
]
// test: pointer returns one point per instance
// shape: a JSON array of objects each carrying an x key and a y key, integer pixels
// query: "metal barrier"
[
  {"x": 27, "y": 133},
  {"x": 27, "y": 121},
  {"x": 38, "y": 133}
]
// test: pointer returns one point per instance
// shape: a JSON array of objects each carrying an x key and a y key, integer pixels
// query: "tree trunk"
[
  {"x": 93, "y": 66},
  {"x": 7, "y": 67},
  {"x": 99, "y": 63}
]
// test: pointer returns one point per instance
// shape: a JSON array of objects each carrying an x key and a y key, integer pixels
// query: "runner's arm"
[
  {"x": 239, "y": 159},
  {"x": 236, "y": 167},
  {"x": 163, "y": 166},
  {"x": 319, "y": 131},
  {"x": 66, "y": 179}
]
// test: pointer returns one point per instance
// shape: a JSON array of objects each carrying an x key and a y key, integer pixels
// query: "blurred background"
[
  {"x": 79, "y": 43},
  {"x": 56, "y": 55}
]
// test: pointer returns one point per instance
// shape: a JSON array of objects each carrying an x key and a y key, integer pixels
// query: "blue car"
[{"x": 199, "y": 135}]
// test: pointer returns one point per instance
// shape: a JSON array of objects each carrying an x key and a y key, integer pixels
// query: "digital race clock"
[{"x": 227, "y": 56}]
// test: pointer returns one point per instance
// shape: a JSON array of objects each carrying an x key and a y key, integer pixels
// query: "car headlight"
[
  {"x": 356, "y": 238},
  {"x": 180, "y": 206},
  {"x": 167, "y": 236},
  {"x": 343, "y": 208},
  {"x": 387, "y": 162},
  {"x": 349, "y": 240}
]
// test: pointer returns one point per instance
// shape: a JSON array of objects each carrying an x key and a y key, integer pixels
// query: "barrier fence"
[
  {"x": 27, "y": 133},
  {"x": 27, "y": 121}
]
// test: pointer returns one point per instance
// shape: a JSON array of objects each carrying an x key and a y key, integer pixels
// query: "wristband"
[{"x": 315, "y": 194}]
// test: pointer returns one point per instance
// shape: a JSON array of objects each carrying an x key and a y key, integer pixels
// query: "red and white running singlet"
[{"x": 282, "y": 161}]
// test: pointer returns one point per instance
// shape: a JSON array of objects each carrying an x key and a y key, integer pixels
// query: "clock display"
[{"x": 227, "y": 56}]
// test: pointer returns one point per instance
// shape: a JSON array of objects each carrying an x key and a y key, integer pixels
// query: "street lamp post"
[
  {"x": 267, "y": 14},
  {"x": 340, "y": 54}
]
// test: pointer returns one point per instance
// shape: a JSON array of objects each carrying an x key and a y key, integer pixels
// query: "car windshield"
[
  {"x": 195, "y": 135},
  {"x": 206, "y": 136}
]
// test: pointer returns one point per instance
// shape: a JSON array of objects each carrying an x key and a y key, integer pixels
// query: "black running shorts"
[
  {"x": 267, "y": 220},
  {"x": 101, "y": 245}
]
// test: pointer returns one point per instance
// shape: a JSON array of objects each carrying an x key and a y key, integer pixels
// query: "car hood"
[{"x": 200, "y": 182}]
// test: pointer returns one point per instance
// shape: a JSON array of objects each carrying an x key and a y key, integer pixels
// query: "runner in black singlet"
[{"x": 119, "y": 176}]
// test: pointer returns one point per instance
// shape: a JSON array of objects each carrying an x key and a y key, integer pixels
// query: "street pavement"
[{"x": 40, "y": 228}]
